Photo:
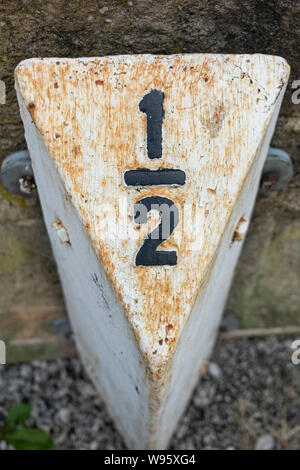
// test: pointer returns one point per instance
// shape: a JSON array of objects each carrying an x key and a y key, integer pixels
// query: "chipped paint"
[
  {"x": 87, "y": 113},
  {"x": 240, "y": 230},
  {"x": 61, "y": 232}
]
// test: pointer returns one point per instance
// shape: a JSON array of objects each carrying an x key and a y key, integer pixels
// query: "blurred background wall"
[{"x": 266, "y": 289}]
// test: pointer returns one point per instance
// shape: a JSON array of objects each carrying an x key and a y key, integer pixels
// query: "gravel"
[{"x": 249, "y": 398}]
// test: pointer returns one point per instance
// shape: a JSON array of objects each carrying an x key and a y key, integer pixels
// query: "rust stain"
[
  {"x": 238, "y": 234},
  {"x": 213, "y": 120},
  {"x": 212, "y": 191},
  {"x": 203, "y": 368},
  {"x": 32, "y": 109}
]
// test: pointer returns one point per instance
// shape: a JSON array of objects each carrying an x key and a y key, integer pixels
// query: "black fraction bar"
[{"x": 145, "y": 177}]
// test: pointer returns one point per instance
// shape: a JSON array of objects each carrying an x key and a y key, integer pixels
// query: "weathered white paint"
[{"x": 144, "y": 332}]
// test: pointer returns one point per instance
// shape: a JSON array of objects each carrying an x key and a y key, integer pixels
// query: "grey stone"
[
  {"x": 214, "y": 370},
  {"x": 265, "y": 442},
  {"x": 103, "y": 10},
  {"x": 64, "y": 415},
  {"x": 94, "y": 445}
]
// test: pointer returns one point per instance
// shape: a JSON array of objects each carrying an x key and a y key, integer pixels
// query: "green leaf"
[
  {"x": 18, "y": 413},
  {"x": 29, "y": 439}
]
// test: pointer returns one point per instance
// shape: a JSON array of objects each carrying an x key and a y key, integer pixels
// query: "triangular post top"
[{"x": 180, "y": 129}]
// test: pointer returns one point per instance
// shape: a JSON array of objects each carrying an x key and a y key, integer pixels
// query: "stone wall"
[{"x": 266, "y": 290}]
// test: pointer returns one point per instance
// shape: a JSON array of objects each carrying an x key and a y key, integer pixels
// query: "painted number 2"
[{"x": 147, "y": 255}]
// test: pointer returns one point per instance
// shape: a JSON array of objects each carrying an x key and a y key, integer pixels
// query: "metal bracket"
[
  {"x": 17, "y": 177},
  {"x": 16, "y": 174},
  {"x": 277, "y": 172}
]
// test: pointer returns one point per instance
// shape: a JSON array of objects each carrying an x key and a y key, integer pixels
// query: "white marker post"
[{"x": 147, "y": 169}]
